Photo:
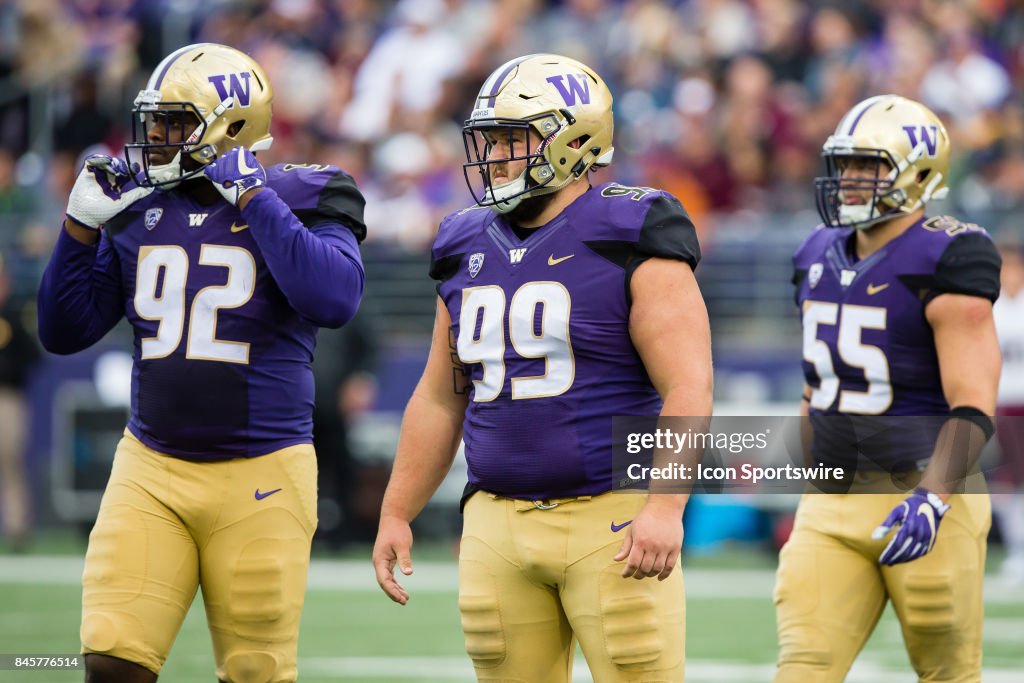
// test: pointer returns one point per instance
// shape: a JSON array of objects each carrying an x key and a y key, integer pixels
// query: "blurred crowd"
[{"x": 723, "y": 102}]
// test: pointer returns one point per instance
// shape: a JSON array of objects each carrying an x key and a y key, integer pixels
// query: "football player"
[
  {"x": 565, "y": 303},
  {"x": 225, "y": 270},
  {"x": 897, "y": 322}
]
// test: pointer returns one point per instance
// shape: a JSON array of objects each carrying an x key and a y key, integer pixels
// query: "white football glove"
[
  {"x": 236, "y": 172},
  {"x": 98, "y": 194}
]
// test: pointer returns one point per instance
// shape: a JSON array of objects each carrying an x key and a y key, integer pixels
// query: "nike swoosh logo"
[
  {"x": 552, "y": 261},
  {"x": 239, "y": 228},
  {"x": 261, "y": 496},
  {"x": 243, "y": 167},
  {"x": 875, "y": 289},
  {"x": 620, "y": 527},
  {"x": 928, "y": 512}
]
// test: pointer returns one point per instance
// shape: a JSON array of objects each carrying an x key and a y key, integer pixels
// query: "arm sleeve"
[
  {"x": 80, "y": 296},
  {"x": 969, "y": 265},
  {"x": 319, "y": 269}
]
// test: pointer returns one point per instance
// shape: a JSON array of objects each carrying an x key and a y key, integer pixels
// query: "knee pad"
[
  {"x": 803, "y": 648},
  {"x": 256, "y": 595},
  {"x": 481, "y": 616},
  {"x": 629, "y": 622},
  {"x": 251, "y": 667},
  {"x": 928, "y": 605}
]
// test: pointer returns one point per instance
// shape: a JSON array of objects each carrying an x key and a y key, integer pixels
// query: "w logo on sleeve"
[
  {"x": 571, "y": 87},
  {"x": 233, "y": 85},
  {"x": 929, "y": 135}
]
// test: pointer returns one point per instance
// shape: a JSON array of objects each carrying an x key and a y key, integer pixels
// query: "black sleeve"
[
  {"x": 969, "y": 265},
  {"x": 668, "y": 232},
  {"x": 340, "y": 202},
  {"x": 799, "y": 275},
  {"x": 443, "y": 268}
]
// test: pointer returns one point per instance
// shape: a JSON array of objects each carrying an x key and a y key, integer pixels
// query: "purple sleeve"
[
  {"x": 319, "y": 270},
  {"x": 80, "y": 296}
]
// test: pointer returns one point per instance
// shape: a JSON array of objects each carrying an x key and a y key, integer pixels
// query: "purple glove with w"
[{"x": 918, "y": 520}]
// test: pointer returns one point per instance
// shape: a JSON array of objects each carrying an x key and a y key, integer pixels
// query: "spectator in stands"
[
  {"x": 346, "y": 387},
  {"x": 18, "y": 354}
]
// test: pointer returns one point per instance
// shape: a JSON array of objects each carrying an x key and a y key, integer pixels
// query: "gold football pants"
[
  {"x": 830, "y": 589},
  {"x": 240, "y": 529},
  {"x": 532, "y": 581}
]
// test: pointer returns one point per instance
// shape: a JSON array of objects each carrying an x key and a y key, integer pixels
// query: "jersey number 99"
[{"x": 482, "y": 338}]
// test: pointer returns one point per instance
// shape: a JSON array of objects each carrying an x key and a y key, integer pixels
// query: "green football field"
[{"x": 351, "y": 632}]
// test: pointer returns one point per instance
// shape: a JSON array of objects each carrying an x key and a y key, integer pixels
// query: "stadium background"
[{"x": 725, "y": 103}]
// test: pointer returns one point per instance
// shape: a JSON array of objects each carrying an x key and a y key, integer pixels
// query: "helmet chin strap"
[
  {"x": 166, "y": 175},
  {"x": 858, "y": 216},
  {"x": 508, "y": 196}
]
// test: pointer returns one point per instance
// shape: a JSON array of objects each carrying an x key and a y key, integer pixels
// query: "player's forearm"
[
  {"x": 426, "y": 449},
  {"x": 970, "y": 364},
  {"x": 689, "y": 408},
  {"x": 957, "y": 450},
  {"x": 75, "y": 309},
  {"x": 319, "y": 271}
]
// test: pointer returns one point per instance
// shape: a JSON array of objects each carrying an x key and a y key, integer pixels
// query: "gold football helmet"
[
  {"x": 564, "y": 108},
  {"x": 907, "y": 146},
  {"x": 201, "y": 101}
]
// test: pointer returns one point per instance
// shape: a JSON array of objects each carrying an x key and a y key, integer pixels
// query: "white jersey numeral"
[
  {"x": 852, "y": 321},
  {"x": 160, "y": 284},
  {"x": 538, "y": 327}
]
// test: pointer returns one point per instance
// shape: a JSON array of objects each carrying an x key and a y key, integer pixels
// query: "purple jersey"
[
  {"x": 542, "y": 326},
  {"x": 224, "y": 304},
  {"x": 868, "y": 348}
]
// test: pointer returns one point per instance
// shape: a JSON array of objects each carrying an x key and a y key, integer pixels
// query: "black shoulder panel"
[
  {"x": 444, "y": 268},
  {"x": 120, "y": 222},
  {"x": 340, "y": 202},
  {"x": 969, "y": 265},
  {"x": 617, "y": 252},
  {"x": 668, "y": 232}
]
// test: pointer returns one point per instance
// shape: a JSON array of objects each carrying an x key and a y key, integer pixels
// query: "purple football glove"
[
  {"x": 918, "y": 520},
  {"x": 236, "y": 172},
  {"x": 99, "y": 192}
]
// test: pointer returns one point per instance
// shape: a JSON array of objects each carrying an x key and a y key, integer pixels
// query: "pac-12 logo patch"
[
  {"x": 153, "y": 217},
  {"x": 476, "y": 262},
  {"x": 814, "y": 274}
]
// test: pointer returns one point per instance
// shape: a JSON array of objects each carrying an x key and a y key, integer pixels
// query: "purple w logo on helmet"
[
  {"x": 577, "y": 87},
  {"x": 929, "y": 135},
  {"x": 233, "y": 88}
]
